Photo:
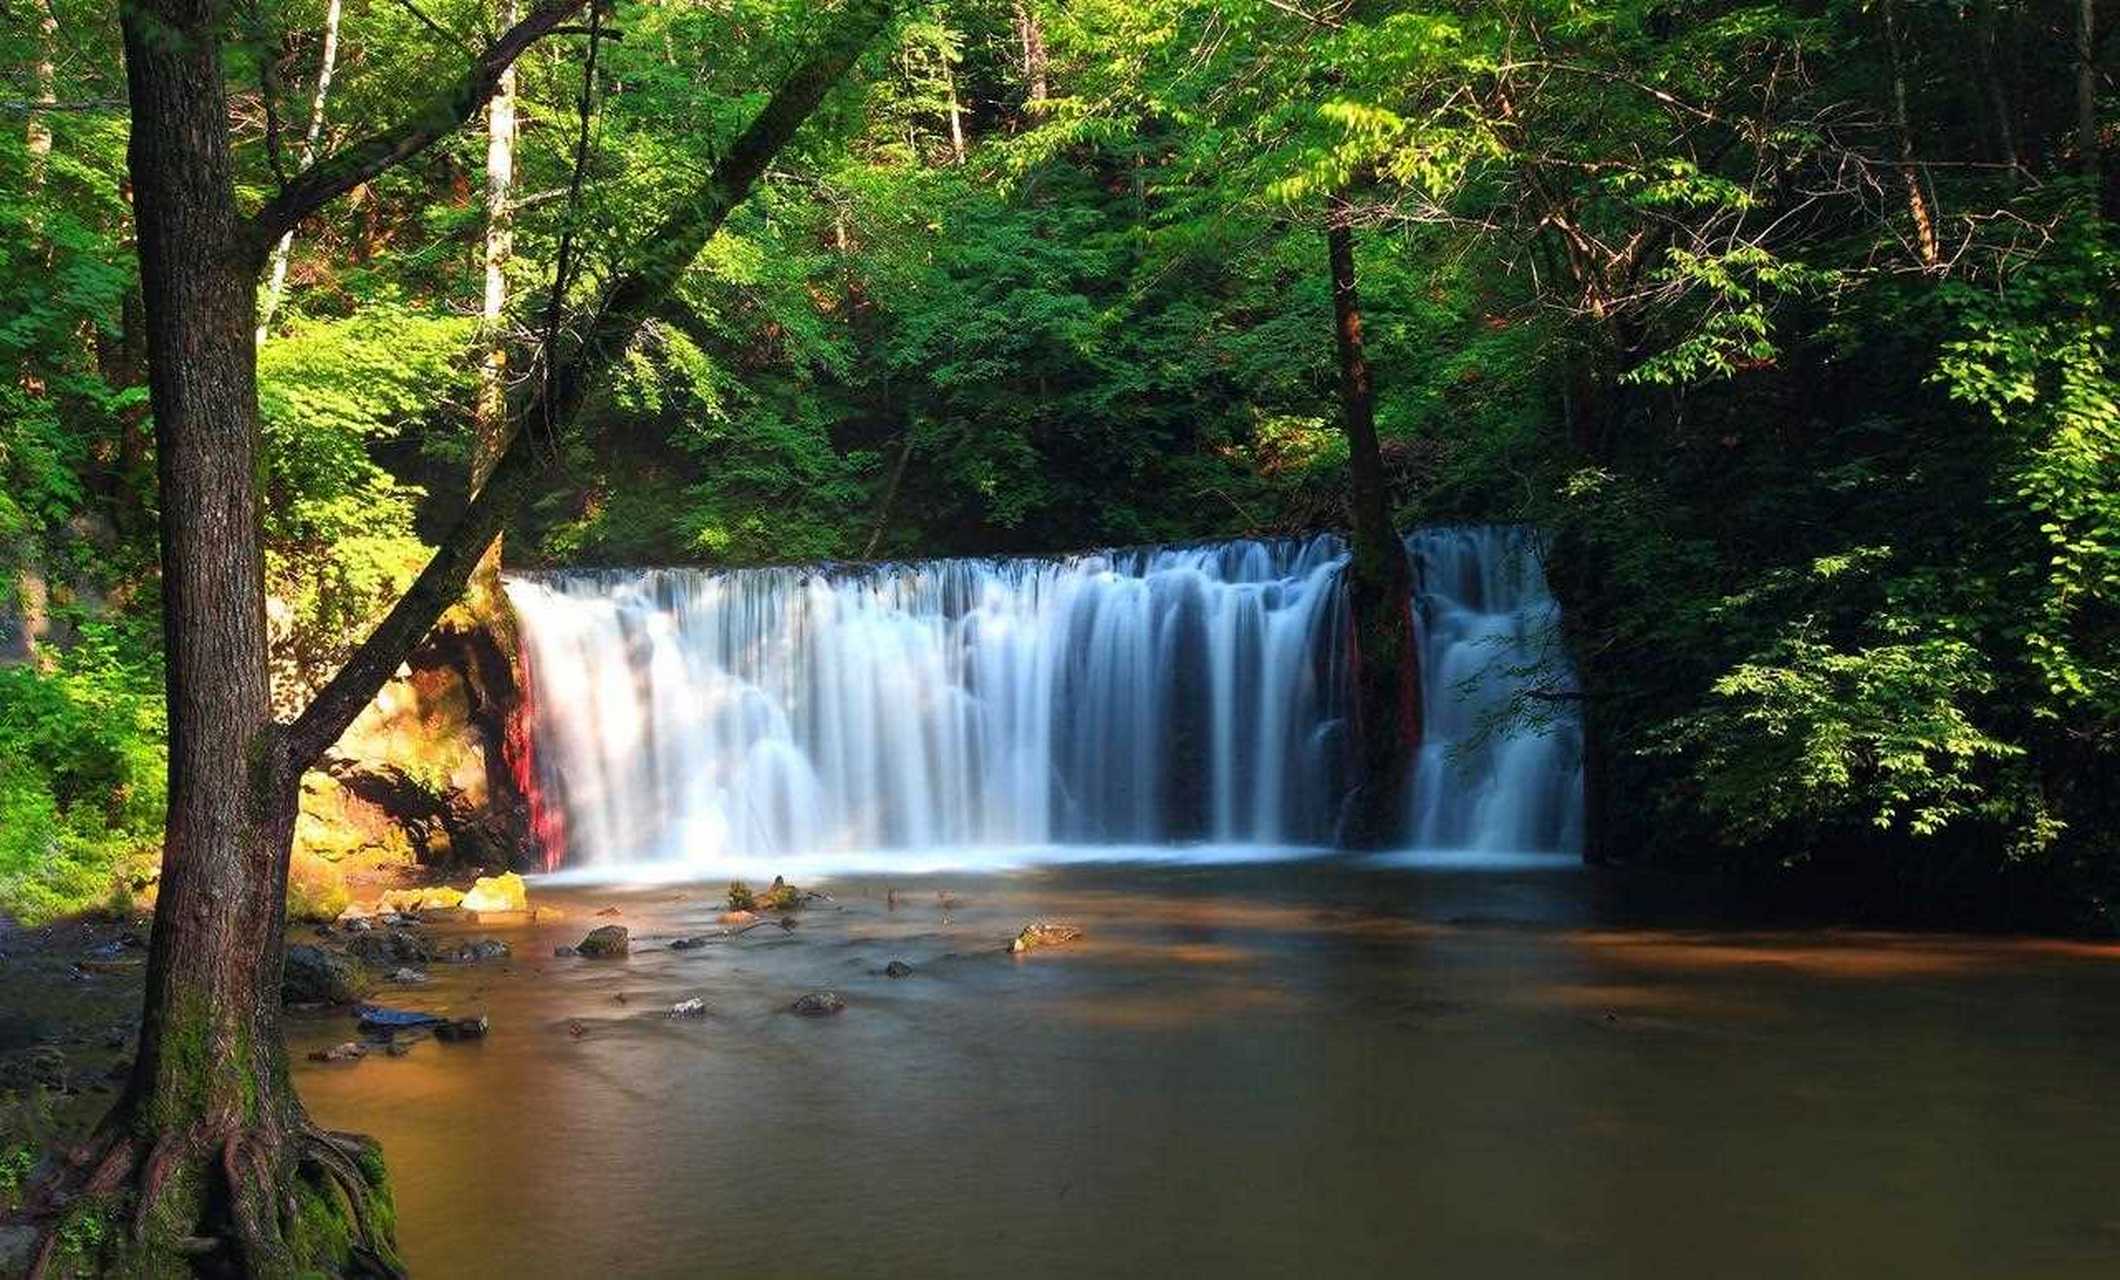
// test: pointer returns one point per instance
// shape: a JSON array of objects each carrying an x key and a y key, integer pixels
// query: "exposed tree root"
[{"x": 218, "y": 1200}]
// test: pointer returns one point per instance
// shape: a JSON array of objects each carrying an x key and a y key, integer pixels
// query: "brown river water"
[{"x": 1298, "y": 1069}]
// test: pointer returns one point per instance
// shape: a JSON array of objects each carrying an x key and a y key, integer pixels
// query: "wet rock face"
[
  {"x": 818, "y": 1004},
  {"x": 607, "y": 943},
  {"x": 313, "y": 975}
]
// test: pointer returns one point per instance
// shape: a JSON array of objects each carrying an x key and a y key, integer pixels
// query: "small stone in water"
[
  {"x": 687, "y": 944},
  {"x": 475, "y": 951},
  {"x": 819, "y": 1004},
  {"x": 897, "y": 969},
  {"x": 346, "y": 1052},
  {"x": 693, "y": 1008},
  {"x": 408, "y": 976},
  {"x": 472, "y": 1028},
  {"x": 563, "y": 952},
  {"x": 608, "y": 942}
]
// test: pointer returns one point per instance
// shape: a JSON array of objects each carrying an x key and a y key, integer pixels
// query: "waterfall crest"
[{"x": 1169, "y": 696}]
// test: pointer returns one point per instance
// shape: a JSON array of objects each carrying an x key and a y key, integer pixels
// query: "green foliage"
[
  {"x": 81, "y": 776},
  {"x": 339, "y": 526},
  {"x": 1836, "y": 521}
]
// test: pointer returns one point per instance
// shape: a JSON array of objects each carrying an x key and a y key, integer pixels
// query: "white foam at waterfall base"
[{"x": 1183, "y": 703}]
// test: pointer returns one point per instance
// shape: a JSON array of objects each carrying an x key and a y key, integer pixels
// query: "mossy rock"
[
  {"x": 610, "y": 942},
  {"x": 313, "y": 975}
]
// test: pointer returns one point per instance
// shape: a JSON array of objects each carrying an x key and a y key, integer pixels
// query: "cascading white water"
[
  {"x": 1183, "y": 695},
  {"x": 1500, "y": 767}
]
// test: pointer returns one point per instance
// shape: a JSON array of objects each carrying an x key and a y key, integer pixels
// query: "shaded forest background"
[{"x": 1792, "y": 324}]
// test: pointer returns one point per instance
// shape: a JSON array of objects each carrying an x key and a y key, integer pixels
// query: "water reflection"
[{"x": 1289, "y": 1070}]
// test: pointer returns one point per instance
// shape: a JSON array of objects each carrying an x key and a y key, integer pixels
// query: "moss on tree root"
[{"x": 241, "y": 1203}]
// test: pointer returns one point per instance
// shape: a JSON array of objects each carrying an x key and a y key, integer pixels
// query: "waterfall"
[
  {"x": 1500, "y": 767},
  {"x": 1185, "y": 696}
]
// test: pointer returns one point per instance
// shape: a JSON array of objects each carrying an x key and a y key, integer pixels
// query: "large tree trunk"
[
  {"x": 208, "y": 1152},
  {"x": 1379, "y": 584},
  {"x": 207, "y": 1160}
]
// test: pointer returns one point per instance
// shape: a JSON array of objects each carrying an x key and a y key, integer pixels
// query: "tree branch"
[
  {"x": 664, "y": 255},
  {"x": 343, "y": 170}
]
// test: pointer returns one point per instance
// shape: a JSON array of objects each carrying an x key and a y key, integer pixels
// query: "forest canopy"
[{"x": 1790, "y": 324}]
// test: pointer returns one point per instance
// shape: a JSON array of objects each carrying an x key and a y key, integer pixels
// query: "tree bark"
[
  {"x": 208, "y": 1160},
  {"x": 208, "y": 1145},
  {"x": 1925, "y": 244},
  {"x": 490, "y": 428},
  {"x": 276, "y": 279},
  {"x": 1379, "y": 582}
]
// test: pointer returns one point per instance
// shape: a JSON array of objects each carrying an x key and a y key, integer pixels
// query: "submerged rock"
[
  {"x": 408, "y": 976},
  {"x": 471, "y": 1028},
  {"x": 693, "y": 1008},
  {"x": 818, "y": 1004},
  {"x": 607, "y": 943},
  {"x": 43, "y": 1067},
  {"x": 388, "y": 948},
  {"x": 1044, "y": 934},
  {"x": 561, "y": 953},
  {"x": 737, "y": 917},
  {"x": 897, "y": 969},
  {"x": 474, "y": 951},
  {"x": 313, "y": 975},
  {"x": 347, "y": 1052},
  {"x": 689, "y": 944},
  {"x": 504, "y": 892}
]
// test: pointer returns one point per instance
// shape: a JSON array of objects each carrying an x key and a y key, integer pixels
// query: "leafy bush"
[{"x": 82, "y": 760}]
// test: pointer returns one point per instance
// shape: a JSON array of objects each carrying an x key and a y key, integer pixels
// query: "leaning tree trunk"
[
  {"x": 1379, "y": 584},
  {"x": 208, "y": 1156}
]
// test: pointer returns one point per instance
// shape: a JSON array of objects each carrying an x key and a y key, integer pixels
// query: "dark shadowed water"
[{"x": 1295, "y": 1069}]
